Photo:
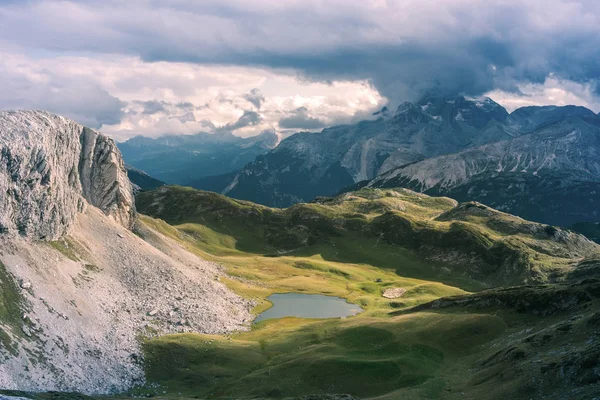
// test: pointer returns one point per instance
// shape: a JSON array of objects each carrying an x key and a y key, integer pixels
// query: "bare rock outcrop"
[{"x": 51, "y": 168}]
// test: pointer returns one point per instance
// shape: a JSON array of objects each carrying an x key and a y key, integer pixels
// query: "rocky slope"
[
  {"x": 551, "y": 175},
  {"x": 81, "y": 304},
  {"x": 181, "y": 159},
  {"x": 51, "y": 167},
  {"x": 307, "y": 164},
  {"x": 78, "y": 288}
]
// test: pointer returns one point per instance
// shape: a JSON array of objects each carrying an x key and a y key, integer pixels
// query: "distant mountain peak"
[{"x": 384, "y": 111}]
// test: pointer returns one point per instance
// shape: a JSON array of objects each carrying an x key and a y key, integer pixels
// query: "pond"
[{"x": 307, "y": 306}]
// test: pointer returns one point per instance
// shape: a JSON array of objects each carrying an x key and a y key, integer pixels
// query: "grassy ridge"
[{"x": 469, "y": 245}]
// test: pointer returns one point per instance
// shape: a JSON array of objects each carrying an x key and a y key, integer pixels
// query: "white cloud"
[
  {"x": 134, "y": 97},
  {"x": 553, "y": 91}
]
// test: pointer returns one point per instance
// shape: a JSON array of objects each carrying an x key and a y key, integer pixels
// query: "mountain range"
[
  {"x": 528, "y": 162},
  {"x": 180, "y": 159}
]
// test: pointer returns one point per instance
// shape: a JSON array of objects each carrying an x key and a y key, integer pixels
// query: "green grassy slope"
[
  {"x": 520, "y": 343},
  {"x": 467, "y": 245},
  {"x": 12, "y": 308}
]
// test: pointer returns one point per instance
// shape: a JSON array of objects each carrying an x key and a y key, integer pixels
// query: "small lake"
[{"x": 307, "y": 306}]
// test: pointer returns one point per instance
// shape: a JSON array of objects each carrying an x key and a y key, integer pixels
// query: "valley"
[{"x": 448, "y": 349}]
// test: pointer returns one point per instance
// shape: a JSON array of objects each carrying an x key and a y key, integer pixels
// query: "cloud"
[
  {"x": 404, "y": 47},
  {"x": 94, "y": 59},
  {"x": 255, "y": 97},
  {"x": 248, "y": 118},
  {"x": 151, "y": 107},
  {"x": 32, "y": 87},
  {"x": 125, "y": 96},
  {"x": 299, "y": 119},
  {"x": 552, "y": 91}
]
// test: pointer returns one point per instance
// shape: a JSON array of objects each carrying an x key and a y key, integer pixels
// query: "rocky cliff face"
[
  {"x": 551, "y": 175},
  {"x": 51, "y": 168}
]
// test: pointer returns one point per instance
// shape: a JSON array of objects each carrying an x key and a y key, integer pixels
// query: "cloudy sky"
[{"x": 157, "y": 67}]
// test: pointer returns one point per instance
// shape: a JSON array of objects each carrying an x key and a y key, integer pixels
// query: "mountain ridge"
[
  {"x": 322, "y": 163},
  {"x": 558, "y": 156},
  {"x": 54, "y": 167},
  {"x": 181, "y": 158}
]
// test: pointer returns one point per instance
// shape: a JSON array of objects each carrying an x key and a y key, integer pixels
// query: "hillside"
[
  {"x": 457, "y": 241},
  {"x": 501, "y": 343},
  {"x": 589, "y": 229},
  {"x": 141, "y": 180},
  {"x": 78, "y": 288}
]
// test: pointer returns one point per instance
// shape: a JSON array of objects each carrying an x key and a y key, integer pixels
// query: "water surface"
[{"x": 307, "y": 306}]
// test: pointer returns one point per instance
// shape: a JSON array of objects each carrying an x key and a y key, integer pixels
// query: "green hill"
[{"x": 468, "y": 245}]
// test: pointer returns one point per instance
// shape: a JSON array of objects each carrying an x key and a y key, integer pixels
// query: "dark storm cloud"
[
  {"x": 301, "y": 120},
  {"x": 249, "y": 118},
  {"x": 405, "y": 47}
]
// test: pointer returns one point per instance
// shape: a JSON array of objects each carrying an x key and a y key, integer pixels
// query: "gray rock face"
[
  {"x": 551, "y": 175},
  {"x": 51, "y": 168}
]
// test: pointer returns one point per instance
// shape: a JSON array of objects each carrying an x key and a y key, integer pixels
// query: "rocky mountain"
[
  {"x": 77, "y": 286},
  {"x": 307, "y": 164},
  {"x": 180, "y": 159},
  {"x": 53, "y": 167},
  {"x": 537, "y": 162},
  {"x": 550, "y": 175}
]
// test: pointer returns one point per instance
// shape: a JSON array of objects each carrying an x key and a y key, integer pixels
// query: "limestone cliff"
[{"x": 51, "y": 168}]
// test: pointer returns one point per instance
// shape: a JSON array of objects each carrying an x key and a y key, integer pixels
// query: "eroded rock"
[{"x": 51, "y": 168}]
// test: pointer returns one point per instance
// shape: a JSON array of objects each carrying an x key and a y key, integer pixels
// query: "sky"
[{"x": 156, "y": 67}]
